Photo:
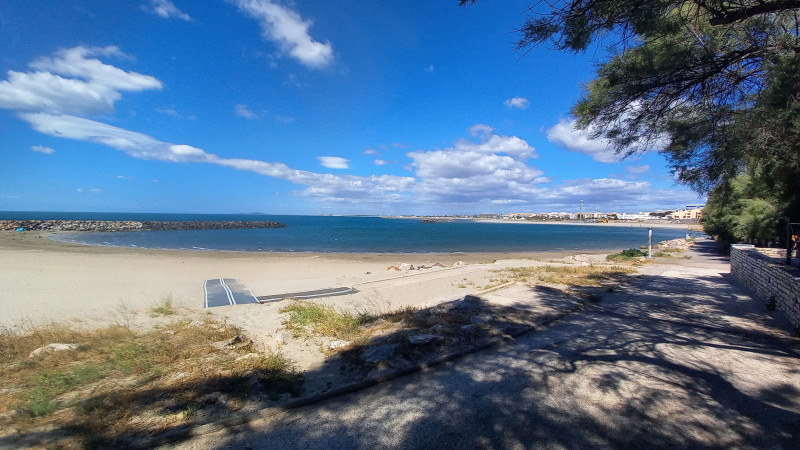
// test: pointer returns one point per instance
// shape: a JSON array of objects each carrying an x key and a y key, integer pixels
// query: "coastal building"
[
  {"x": 687, "y": 214},
  {"x": 638, "y": 216}
]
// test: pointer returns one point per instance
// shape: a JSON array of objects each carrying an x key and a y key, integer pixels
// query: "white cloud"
[
  {"x": 493, "y": 168},
  {"x": 327, "y": 187},
  {"x": 168, "y": 111},
  {"x": 91, "y": 191},
  {"x": 241, "y": 110},
  {"x": 289, "y": 30},
  {"x": 372, "y": 151},
  {"x": 334, "y": 162},
  {"x": 124, "y": 177},
  {"x": 481, "y": 130},
  {"x": 566, "y": 135},
  {"x": 167, "y": 9},
  {"x": 485, "y": 170},
  {"x": 492, "y": 143},
  {"x": 72, "y": 82},
  {"x": 517, "y": 102},
  {"x": 637, "y": 170},
  {"x": 42, "y": 149},
  {"x": 381, "y": 162},
  {"x": 430, "y": 69}
]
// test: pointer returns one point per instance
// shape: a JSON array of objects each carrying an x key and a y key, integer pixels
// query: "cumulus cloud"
[
  {"x": 42, "y": 149},
  {"x": 567, "y": 136},
  {"x": 517, "y": 102},
  {"x": 484, "y": 169},
  {"x": 54, "y": 110},
  {"x": 289, "y": 30},
  {"x": 72, "y": 81},
  {"x": 242, "y": 111},
  {"x": 494, "y": 167},
  {"x": 334, "y": 162},
  {"x": 166, "y": 9}
]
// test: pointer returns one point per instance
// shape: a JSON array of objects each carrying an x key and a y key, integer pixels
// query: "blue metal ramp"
[
  {"x": 331, "y": 292},
  {"x": 227, "y": 291}
]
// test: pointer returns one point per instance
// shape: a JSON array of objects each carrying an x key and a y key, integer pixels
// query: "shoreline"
[
  {"x": 695, "y": 227},
  {"x": 90, "y": 286}
]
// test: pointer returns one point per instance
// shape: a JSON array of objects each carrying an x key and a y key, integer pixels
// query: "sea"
[{"x": 359, "y": 234}]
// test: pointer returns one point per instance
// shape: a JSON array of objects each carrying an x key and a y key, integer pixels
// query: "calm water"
[{"x": 360, "y": 234}]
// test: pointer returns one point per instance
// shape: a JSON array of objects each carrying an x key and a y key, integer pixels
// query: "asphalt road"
[{"x": 680, "y": 358}]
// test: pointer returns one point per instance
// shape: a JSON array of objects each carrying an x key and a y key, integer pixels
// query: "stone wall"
[{"x": 765, "y": 273}]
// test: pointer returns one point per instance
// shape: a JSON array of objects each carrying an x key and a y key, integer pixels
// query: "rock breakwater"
[{"x": 132, "y": 225}]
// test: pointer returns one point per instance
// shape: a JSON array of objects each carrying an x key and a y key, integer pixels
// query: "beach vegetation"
[
  {"x": 114, "y": 382},
  {"x": 672, "y": 252},
  {"x": 163, "y": 308},
  {"x": 304, "y": 318},
  {"x": 593, "y": 275},
  {"x": 626, "y": 255}
]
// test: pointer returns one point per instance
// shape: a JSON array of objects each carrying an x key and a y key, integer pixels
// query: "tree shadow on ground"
[
  {"x": 700, "y": 367},
  {"x": 665, "y": 362}
]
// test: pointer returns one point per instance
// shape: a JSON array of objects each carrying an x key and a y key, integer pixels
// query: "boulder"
[
  {"x": 470, "y": 329},
  {"x": 379, "y": 353},
  {"x": 406, "y": 267},
  {"x": 338, "y": 344},
  {"x": 52, "y": 348},
  {"x": 282, "y": 337},
  {"x": 239, "y": 341},
  {"x": 422, "y": 339},
  {"x": 481, "y": 319}
]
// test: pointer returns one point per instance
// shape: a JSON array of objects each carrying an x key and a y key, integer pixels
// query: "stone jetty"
[{"x": 132, "y": 225}]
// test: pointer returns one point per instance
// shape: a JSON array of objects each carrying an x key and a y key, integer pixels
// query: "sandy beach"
[{"x": 46, "y": 280}]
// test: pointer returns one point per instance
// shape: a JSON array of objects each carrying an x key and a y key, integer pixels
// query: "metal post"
[
  {"x": 789, "y": 242},
  {"x": 650, "y": 242},
  {"x": 580, "y": 214}
]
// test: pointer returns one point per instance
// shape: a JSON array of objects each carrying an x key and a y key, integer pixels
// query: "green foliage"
[
  {"x": 164, "y": 308},
  {"x": 49, "y": 384},
  {"x": 632, "y": 253},
  {"x": 625, "y": 255},
  {"x": 309, "y": 317},
  {"x": 743, "y": 210},
  {"x": 714, "y": 85}
]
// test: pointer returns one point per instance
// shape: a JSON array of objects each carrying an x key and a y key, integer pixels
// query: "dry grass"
[
  {"x": 567, "y": 275},
  {"x": 306, "y": 318},
  {"x": 119, "y": 383},
  {"x": 313, "y": 319},
  {"x": 672, "y": 252}
]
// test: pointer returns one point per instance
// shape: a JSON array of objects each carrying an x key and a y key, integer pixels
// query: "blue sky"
[{"x": 312, "y": 107}]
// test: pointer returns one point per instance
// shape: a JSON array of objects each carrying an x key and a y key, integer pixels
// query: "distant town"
[{"x": 691, "y": 214}]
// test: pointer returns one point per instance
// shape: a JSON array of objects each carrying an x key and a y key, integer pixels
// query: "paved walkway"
[{"x": 679, "y": 358}]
